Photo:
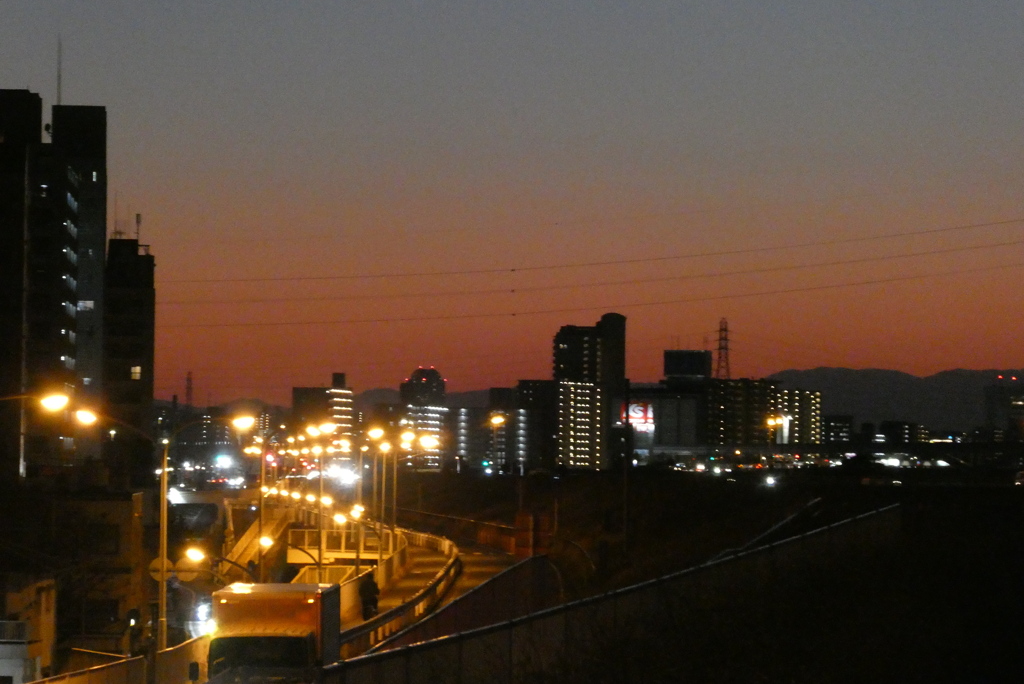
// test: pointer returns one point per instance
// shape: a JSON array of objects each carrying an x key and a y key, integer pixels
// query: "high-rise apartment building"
[
  {"x": 589, "y": 365},
  {"x": 738, "y": 411},
  {"x": 80, "y": 137},
  {"x": 581, "y": 428},
  {"x": 129, "y": 320},
  {"x": 800, "y": 413},
  {"x": 538, "y": 403},
  {"x": 424, "y": 387},
  {"x": 423, "y": 395},
  {"x": 52, "y": 239},
  {"x": 342, "y": 406}
]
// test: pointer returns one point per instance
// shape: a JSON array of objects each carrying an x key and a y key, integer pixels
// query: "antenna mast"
[
  {"x": 138, "y": 226},
  {"x": 60, "y": 64},
  {"x": 722, "y": 366},
  {"x": 117, "y": 225}
]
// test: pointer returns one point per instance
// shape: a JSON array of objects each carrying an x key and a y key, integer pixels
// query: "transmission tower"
[{"x": 722, "y": 362}]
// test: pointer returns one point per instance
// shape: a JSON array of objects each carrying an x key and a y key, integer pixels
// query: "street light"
[
  {"x": 197, "y": 555},
  {"x": 54, "y": 402},
  {"x": 51, "y": 403},
  {"x": 241, "y": 423},
  {"x": 497, "y": 420}
]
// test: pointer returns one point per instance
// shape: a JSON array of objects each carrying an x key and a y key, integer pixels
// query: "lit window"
[{"x": 136, "y": 372}]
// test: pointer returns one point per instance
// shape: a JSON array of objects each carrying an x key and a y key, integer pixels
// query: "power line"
[
  {"x": 577, "y": 286},
  {"x": 604, "y": 307},
  {"x": 617, "y": 262}
]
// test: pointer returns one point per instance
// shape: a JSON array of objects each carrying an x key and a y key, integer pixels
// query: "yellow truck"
[{"x": 273, "y": 632}]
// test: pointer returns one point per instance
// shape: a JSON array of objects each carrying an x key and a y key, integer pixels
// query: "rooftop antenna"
[
  {"x": 138, "y": 226},
  {"x": 60, "y": 64},
  {"x": 118, "y": 234}
]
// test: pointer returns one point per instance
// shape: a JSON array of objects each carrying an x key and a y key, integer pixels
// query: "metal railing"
[
  {"x": 377, "y": 629},
  {"x": 333, "y": 574},
  {"x": 603, "y": 629},
  {"x": 483, "y": 532},
  {"x": 127, "y": 671}
]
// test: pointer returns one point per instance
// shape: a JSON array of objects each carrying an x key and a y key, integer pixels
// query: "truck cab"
[{"x": 273, "y": 632}]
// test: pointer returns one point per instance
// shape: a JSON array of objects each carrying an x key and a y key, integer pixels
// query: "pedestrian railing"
[
  {"x": 373, "y": 631},
  {"x": 609, "y": 631}
]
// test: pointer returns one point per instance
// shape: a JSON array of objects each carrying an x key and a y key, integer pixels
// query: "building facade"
[
  {"x": 589, "y": 365},
  {"x": 129, "y": 323},
  {"x": 800, "y": 413},
  {"x": 52, "y": 239}
]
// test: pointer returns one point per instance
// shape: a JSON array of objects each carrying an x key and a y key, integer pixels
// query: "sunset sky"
[{"x": 370, "y": 187}]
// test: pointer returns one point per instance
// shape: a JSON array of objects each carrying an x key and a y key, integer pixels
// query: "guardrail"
[
  {"x": 171, "y": 665},
  {"x": 332, "y": 574},
  {"x": 366, "y": 636},
  {"x": 496, "y": 535},
  {"x": 553, "y": 644},
  {"x": 127, "y": 671}
]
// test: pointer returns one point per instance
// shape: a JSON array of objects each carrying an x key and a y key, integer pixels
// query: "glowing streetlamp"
[
  {"x": 197, "y": 555},
  {"x": 497, "y": 420},
  {"x": 241, "y": 423},
  {"x": 51, "y": 403},
  {"x": 54, "y": 402}
]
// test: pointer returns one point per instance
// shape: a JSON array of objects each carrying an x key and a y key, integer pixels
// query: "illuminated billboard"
[{"x": 640, "y": 413}]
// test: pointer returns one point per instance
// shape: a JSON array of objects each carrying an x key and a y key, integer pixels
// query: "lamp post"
[
  {"x": 427, "y": 442},
  {"x": 197, "y": 555},
  {"x": 241, "y": 423},
  {"x": 317, "y": 450},
  {"x": 51, "y": 403},
  {"x": 380, "y": 463},
  {"x": 497, "y": 420}
]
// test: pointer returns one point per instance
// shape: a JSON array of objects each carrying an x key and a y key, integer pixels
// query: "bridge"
[{"x": 416, "y": 572}]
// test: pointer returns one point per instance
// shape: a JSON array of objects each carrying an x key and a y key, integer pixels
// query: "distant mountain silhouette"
[
  {"x": 371, "y": 397},
  {"x": 950, "y": 400}
]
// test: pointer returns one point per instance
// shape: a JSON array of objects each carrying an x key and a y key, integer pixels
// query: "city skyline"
[{"x": 379, "y": 188}]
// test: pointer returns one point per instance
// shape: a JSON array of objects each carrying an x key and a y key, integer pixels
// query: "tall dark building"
[
  {"x": 425, "y": 387},
  {"x": 1004, "y": 408},
  {"x": 738, "y": 411},
  {"x": 589, "y": 365},
  {"x": 538, "y": 399},
  {"x": 128, "y": 352},
  {"x": 423, "y": 396},
  {"x": 52, "y": 206},
  {"x": 594, "y": 354},
  {"x": 80, "y": 139},
  {"x": 317, "y": 405},
  {"x": 686, "y": 364},
  {"x": 340, "y": 398},
  {"x": 310, "y": 406}
]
